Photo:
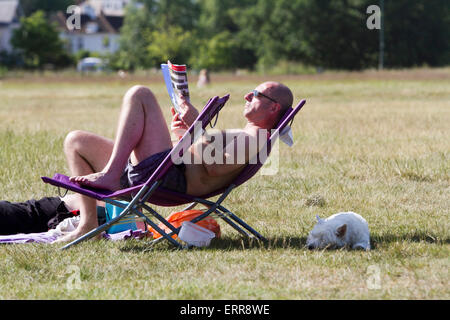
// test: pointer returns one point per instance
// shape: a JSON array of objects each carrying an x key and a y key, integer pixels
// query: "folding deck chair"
[{"x": 151, "y": 192}]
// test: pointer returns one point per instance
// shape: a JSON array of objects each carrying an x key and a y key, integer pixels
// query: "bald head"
[{"x": 280, "y": 93}]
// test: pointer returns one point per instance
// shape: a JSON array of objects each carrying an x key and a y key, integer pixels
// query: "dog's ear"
[
  {"x": 319, "y": 219},
  {"x": 340, "y": 232}
]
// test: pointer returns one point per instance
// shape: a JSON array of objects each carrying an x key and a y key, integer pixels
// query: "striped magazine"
[{"x": 175, "y": 77}]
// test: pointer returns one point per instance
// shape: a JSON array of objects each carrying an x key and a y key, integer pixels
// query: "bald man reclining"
[{"x": 143, "y": 140}]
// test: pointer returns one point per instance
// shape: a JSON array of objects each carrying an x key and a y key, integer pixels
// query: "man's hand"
[
  {"x": 188, "y": 112},
  {"x": 178, "y": 127}
]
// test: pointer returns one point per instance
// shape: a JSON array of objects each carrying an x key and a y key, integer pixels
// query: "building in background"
[
  {"x": 100, "y": 25},
  {"x": 10, "y": 14}
]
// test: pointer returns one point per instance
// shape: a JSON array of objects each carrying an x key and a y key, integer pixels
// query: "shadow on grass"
[
  {"x": 377, "y": 240},
  {"x": 300, "y": 242},
  {"x": 225, "y": 243},
  {"x": 236, "y": 243}
]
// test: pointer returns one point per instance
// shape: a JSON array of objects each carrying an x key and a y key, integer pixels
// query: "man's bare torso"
[{"x": 212, "y": 144}]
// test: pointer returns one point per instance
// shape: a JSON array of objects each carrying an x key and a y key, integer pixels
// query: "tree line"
[
  {"x": 221, "y": 35},
  {"x": 260, "y": 34}
]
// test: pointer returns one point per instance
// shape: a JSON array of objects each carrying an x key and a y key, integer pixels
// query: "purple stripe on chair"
[{"x": 60, "y": 180}]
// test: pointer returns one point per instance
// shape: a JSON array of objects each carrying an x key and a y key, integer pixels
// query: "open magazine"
[{"x": 175, "y": 77}]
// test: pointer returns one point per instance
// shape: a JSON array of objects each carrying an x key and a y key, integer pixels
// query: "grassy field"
[{"x": 376, "y": 143}]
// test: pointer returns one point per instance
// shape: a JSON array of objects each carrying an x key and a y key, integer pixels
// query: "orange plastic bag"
[{"x": 177, "y": 218}]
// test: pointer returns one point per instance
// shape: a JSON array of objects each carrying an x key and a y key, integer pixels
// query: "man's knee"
[
  {"x": 142, "y": 93},
  {"x": 73, "y": 140}
]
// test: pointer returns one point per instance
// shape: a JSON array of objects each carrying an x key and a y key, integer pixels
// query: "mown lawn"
[{"x": 373, "y": 143}]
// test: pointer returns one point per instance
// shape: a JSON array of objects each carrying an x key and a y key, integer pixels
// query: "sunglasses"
[{"x": 256, "y": 94}]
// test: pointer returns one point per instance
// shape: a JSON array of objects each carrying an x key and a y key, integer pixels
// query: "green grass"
[{"x": 373, "y": 143}]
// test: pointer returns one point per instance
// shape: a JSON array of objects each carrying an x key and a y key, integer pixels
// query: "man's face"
[{"x": 256, "y": 107}]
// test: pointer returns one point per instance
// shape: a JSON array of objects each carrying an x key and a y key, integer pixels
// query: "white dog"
[{"x": 340, "y": 230}]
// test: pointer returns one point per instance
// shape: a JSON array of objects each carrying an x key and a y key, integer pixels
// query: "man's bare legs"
[
  {"x": 99, "y": 162},
  {"x": 85, "y": 153},
  {"x": 142, "y": 132}
]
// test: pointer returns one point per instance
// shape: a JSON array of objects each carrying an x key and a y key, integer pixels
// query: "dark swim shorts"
[{"x": 174, "y": 179}]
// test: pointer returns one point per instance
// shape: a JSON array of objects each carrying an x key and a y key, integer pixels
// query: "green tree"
[
  {"x": 336, "y": 34},
  {"x": 271, "y": 29},
  {"x": 153, "y": 27},
  {"x": 319, "y": 32},
  {"x": 172, "y": 43},
  {"x": 181, "y": 13},
  {"x": 133, "y": 40},
  {"x": 238, "y": 33},
  {"x": 31, "y": 6},
  {"x": 219, "y": 46},
  {"x": 38, "y": 43},
  {"x": 216, "y": 53},
  {"x": 216, "y": 16},
  {"x": 417, "y": 33}
]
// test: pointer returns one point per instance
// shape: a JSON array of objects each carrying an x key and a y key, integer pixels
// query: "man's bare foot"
[
  {"x": 99, "y": 180},
  {"x": 75, "y": 235}
]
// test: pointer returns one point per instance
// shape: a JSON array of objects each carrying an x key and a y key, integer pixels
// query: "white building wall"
[
  {"x": 5, "y": 36},
  {"x": 92, "y": 42}
]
